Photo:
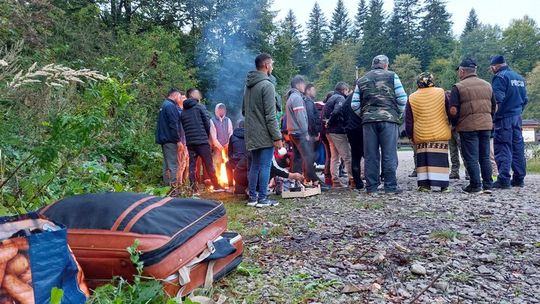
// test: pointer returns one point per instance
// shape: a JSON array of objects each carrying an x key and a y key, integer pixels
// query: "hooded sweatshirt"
[
  {"x": 237, "y": 146},
  {"x": 259, "y": 110},
  {"x": 195, "y": 122},
  {"x": 221, "y": 128}
]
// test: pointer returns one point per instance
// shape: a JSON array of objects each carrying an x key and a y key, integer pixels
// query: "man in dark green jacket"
[{"x": 262, "y": 131}]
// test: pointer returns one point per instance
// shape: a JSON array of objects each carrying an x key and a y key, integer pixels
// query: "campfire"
[{"x": 222, "y": 170}]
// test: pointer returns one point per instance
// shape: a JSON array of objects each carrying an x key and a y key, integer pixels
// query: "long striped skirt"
[{"x": 432, "y": 164}]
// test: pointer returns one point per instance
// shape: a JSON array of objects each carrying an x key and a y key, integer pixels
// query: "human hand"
[
  {"x": 296, "y": 176},
  {"x": 278, "y": 144}
]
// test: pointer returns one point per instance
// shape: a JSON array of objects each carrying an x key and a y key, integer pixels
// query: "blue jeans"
[
  {"x": 259, "y": 172},
  {"x": 383, "y": 135},
  {"x": 509, "y": 149},
  {"x": 475, "y": 148}
]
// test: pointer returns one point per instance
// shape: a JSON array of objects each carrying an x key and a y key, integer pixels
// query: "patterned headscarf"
[{"x": 425, "y": 80}]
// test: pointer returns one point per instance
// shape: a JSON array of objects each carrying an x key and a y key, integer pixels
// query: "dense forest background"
[{"x": 81, "y": 81}]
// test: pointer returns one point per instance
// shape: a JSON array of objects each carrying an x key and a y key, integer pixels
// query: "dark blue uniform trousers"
[{"x": 509, "y": 149}]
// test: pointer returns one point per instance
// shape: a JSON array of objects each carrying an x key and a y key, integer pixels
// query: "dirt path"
[{"x": 343, "y": 247}]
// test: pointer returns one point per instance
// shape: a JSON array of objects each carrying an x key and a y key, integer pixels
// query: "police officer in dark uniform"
[{"x": 511, "y": 95}]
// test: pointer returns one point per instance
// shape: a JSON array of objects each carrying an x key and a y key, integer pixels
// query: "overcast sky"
[{"x": 499, "y": 12}]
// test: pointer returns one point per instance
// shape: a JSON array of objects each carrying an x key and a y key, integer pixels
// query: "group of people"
[{"x": 354, "y": 125}]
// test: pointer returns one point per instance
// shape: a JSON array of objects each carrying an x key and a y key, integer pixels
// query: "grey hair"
[
  {"x": 379, "y": 61},
  {"x": 297, "y": 80}
]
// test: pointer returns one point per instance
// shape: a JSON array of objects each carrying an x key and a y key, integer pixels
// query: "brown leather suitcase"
[{"x": 175, "y": 235}]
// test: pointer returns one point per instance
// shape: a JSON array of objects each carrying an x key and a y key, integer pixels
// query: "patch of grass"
[
  {"x": 248, "y": 270},
  {"x": 445, "y": 235},
  {"x": 533, "y": 165},
  {"x": 371, "y": 205},
  {"x": 461, "y": 276}
]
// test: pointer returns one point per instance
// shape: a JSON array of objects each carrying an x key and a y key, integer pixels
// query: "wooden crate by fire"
[{"x": 303, "y": 192}]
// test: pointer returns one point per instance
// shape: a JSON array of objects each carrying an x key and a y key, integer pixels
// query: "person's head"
[
  {"x": 328, "y": 95},
  {"x": 221, "y": 110},
  {"x": 298, "y": 83},
  {"x": 466, "y": 67},
  {"x": 194, "y": 94},
  {"x": 241, "y": 124},
  {"x": 380, "y": 62},
  {"x": 425, "y": 80},
  {"x": 264, "y": 63},
  {"x": 177, "y": 96},
  {"x": 310, "y": 90},
  {"x": 497, "y": 62},
  {"x": 342, "y": 87}
]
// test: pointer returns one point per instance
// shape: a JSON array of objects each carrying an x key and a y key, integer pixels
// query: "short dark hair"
[
  {"x": 309, "y": 86},
  {"x": 172, "y": 91},
  {"x": 297, "y": 80},
  {"x": 342, "y": 85},
  {"x": 190, "y": 91},
  {"x": 261, "y": 59},
  {"x": 241, "y": 123}
]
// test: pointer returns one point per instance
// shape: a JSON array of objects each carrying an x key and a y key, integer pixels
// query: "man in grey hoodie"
[
  {"x": 297, "y": 127},
  {"x": 262, "y": 132}
]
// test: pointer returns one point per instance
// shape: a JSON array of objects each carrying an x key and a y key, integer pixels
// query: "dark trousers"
[
  {"x": 170, "y": 163},
  {"x": 327, "y": 156},
  {"x": 303, "y": 156},
  {"x": 509, "y": 149},
  {"x": 356, "y": 140},
  {"x": 475, "y": 148},
  {"x": 205, "y": 153},
  {"x": 383, "y": 136}
]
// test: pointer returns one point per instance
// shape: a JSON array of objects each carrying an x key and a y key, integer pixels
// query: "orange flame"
[{"x": 222, "y": 175}]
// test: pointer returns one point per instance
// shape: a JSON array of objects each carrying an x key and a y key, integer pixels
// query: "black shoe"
[
  {"x": 413, "y": 174},
  {"x": 472, "y": 190},
  {"x": 487, "y": 191},
  {"x": 519, "y": 184},
  {"x": 499, "y": 185},
  {"x": 252, "y": 202}
]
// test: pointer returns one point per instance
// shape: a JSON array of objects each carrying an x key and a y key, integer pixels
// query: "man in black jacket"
[
  {"x": 335, "y": 128},
  {"x": 196, "y": 124},
  {"x": 168, "y": 134}
]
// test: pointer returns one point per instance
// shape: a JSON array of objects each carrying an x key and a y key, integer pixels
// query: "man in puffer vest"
[
  {"x": 472, "y": 106},
  {"x": 380, "y": 103},
  {"x": 511, "y": 94}
]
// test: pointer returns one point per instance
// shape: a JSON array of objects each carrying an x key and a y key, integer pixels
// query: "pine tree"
[
  {"x": 436, "y": 32},
  {"x": 340, "y": 23},
  {"x": 472, "y": 23},
  {"x": 403, "y": 28},
  {"x": 374, "y": 39},
  {"x": 360, "y": 19},
  {"x": 317, "y": 37}
]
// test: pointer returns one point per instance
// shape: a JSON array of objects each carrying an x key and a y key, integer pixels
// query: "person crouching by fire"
[{"x": 196, "y": 124}]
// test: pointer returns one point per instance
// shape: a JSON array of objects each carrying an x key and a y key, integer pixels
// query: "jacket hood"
[
  {"x": 216, "y": 108},
  {"x": 255, "y": 77},
  {"x": 238, "y": 132},
  {"x": 190, "y": 103}
]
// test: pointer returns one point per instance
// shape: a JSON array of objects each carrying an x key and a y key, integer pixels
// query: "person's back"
[
  {"x": 334, "y": 114},
  {"x": 195, "y": 122},
  {"x": 510, "y": 93},
  {"x": 314, "y": 117},
  {"x": 476, "y": 109},
  {"x": 429, "y": 115},
  {"x": 258, "y": 110},
  {"x": 297, "y": 119},
  {"x": 237, "y": 145},
  {"x": 378, "y": 98},
  {"x": 167, "y": 124}
]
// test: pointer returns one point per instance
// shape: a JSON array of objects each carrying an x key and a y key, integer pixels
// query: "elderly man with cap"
[
  {"x": 380, "y": 101},
  {"x": 511, "y": 95},
  {"x": 472, "y": 106}
]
